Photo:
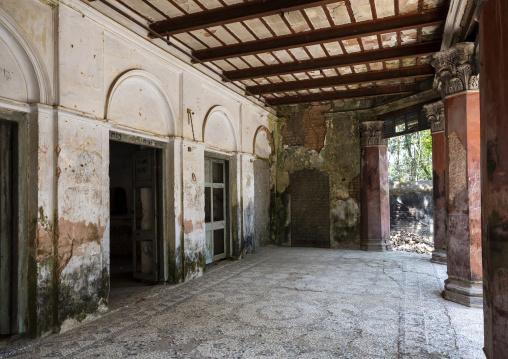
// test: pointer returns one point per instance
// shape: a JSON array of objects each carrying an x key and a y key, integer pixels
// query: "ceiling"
[{"x": 306, "y": 51}]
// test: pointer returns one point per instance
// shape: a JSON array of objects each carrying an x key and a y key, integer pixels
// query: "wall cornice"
[{"x": 171, "y": 60}]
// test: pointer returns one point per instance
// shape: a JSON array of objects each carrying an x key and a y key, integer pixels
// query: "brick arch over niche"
[
  {"x": 263, "y": 145},
  {"x": 310, "y": 209}
]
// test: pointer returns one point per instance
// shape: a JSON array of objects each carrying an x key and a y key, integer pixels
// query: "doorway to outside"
[
  {"x": 8, "y": 227},
  {"x": 216, "y": 209},
  {"x": 410, "y": 173},
  {"x": 135, "y": 176}
]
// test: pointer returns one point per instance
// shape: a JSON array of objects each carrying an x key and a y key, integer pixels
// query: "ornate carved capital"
[
  {"x": 371, "y": 134},
  {"x": 435, "y": 115},
  {"x": 455, "y": 69}
]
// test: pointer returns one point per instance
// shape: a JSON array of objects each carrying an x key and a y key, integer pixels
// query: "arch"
[
  {"x": 216, "y": 121},
  {"x": 269, "y": 138},
  {"x": 31, "y": 67},
  {"x": 149, "y": 111}
]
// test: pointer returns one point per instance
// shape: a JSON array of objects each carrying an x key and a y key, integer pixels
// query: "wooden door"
[
  {"x": 145, "y": 216},
  {"x": 215, "y": 209},
  {"x": 6, "y": 226}
]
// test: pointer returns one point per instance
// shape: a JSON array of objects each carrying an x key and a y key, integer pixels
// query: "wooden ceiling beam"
[
  {"x": 229, "y": 14},
  {"x": 344, "y": 32},
  {"x": 347, "y": 94},
  {"x": 426, "y": 48},
  {"x": 359, "y": 78}
]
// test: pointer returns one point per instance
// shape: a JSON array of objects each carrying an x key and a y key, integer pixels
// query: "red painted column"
[
  {"x": 375, "y": 201},
  {"x": 494, "y": 168},
  {"x": 459, "y": 88},
  {"x": 435, "y": 114}
]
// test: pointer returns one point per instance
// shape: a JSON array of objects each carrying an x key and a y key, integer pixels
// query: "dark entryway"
[
  {"x": 8, "y": 227},
  {"x": 134, "y": 196},
  {"x": 310, "y": 209}
]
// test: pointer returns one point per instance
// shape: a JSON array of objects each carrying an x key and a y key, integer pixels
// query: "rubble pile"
[{"x": 411, "y": 242}]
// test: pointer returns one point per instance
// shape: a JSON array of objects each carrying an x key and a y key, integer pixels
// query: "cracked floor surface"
[{"x": 283, "y": 303}]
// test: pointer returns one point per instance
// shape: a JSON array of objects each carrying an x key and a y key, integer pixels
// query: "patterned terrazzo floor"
[{"x": 283, "y": 303}]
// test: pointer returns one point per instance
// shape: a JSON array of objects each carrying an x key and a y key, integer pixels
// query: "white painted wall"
[{"x": 85, "y": 75}]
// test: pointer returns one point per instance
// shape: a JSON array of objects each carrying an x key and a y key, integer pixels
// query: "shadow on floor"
[{"x": 122, "y": 283}]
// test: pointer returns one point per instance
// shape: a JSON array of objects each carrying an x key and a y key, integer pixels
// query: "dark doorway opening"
[
  {"x": 8, "y": 227},
  {"x": 310, "y": 209},
  {"x": 135, "y": 174}
]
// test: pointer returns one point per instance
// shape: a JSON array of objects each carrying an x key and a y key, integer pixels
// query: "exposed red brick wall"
[
  {"x": 306, "y": 128},
  {"x": 310, "y": 209}
]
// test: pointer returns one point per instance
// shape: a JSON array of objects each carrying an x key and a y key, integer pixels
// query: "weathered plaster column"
[
  {"x": 435, "y": 114},
  {"x": 375, "y": 201},
  {"x": 459, "y": 88},
  {"x": 494, "y": 168}
]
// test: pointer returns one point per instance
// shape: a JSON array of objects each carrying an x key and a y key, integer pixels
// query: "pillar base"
[
  {"x": 438, "y": 256},
  {"x": 377, "y": 245},
  {"x": 465, "y": 292}
]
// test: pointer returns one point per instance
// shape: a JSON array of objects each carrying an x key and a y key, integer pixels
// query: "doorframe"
[
  {"x": 162, "y": 178},
  {"x": 21, "y": 264},
  {"x": 227, "y": 162}
]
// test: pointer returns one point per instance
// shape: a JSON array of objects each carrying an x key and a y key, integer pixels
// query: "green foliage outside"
[{"x": 410, "y": 157}]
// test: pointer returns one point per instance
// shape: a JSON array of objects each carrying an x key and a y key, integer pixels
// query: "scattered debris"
[{"x": 411, "y": 242}]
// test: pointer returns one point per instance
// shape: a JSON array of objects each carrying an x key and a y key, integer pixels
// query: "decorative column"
[
  {"x": 435, "y": 114},
  {"x": 375, "y": 201},
  {"x": 458, "y": 85},
  {"x": 494, "y": 167}
]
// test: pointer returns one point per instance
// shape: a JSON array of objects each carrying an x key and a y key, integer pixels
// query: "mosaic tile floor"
[{"x": 283, "y": 303}]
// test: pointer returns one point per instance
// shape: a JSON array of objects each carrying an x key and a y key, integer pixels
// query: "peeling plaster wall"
[
  {"x": 249, "y": 234},
  {"x": 98, "y": 76},
  {"x": 262, "y": 201},
  {"x": 82, "y": 245},
  {"x": 336, "y": 136},
  {"x": 44, "y": 308},
  {"x": 193, "y": 161}
]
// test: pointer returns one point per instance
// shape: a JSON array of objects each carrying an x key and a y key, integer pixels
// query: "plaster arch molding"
[
  {"x": 23, "y": 76},
  {"x": 137, "y": 100},
  {"x": 263, "y": 145},
  {"x": 218, "y": 130}
]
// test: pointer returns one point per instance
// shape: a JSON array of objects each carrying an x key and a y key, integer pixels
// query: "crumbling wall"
[
  {"x": 250, "y": 241},
  {"x": 262, "y": 201},
  {"x": 328, "y": 142},
  {"x": 310, "y": 210},
  {"x": 411, "y": 207},
  {"x": 193, "y": 216},
  {"x": 82, "y": 241},
  {"x": 111, "y": 79}
]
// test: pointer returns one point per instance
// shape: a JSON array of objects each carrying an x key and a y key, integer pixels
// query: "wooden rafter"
[
  {"x": 349, "y": 94},
  {"x": 407, "y": 109},
  {"x": 392, "y": 53},
  {"x": 230, "y": 14},
  {"x": 344, "y": 32},
  {"x": 360, "y": 78},
  {"x": 308, "y": 85}
]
